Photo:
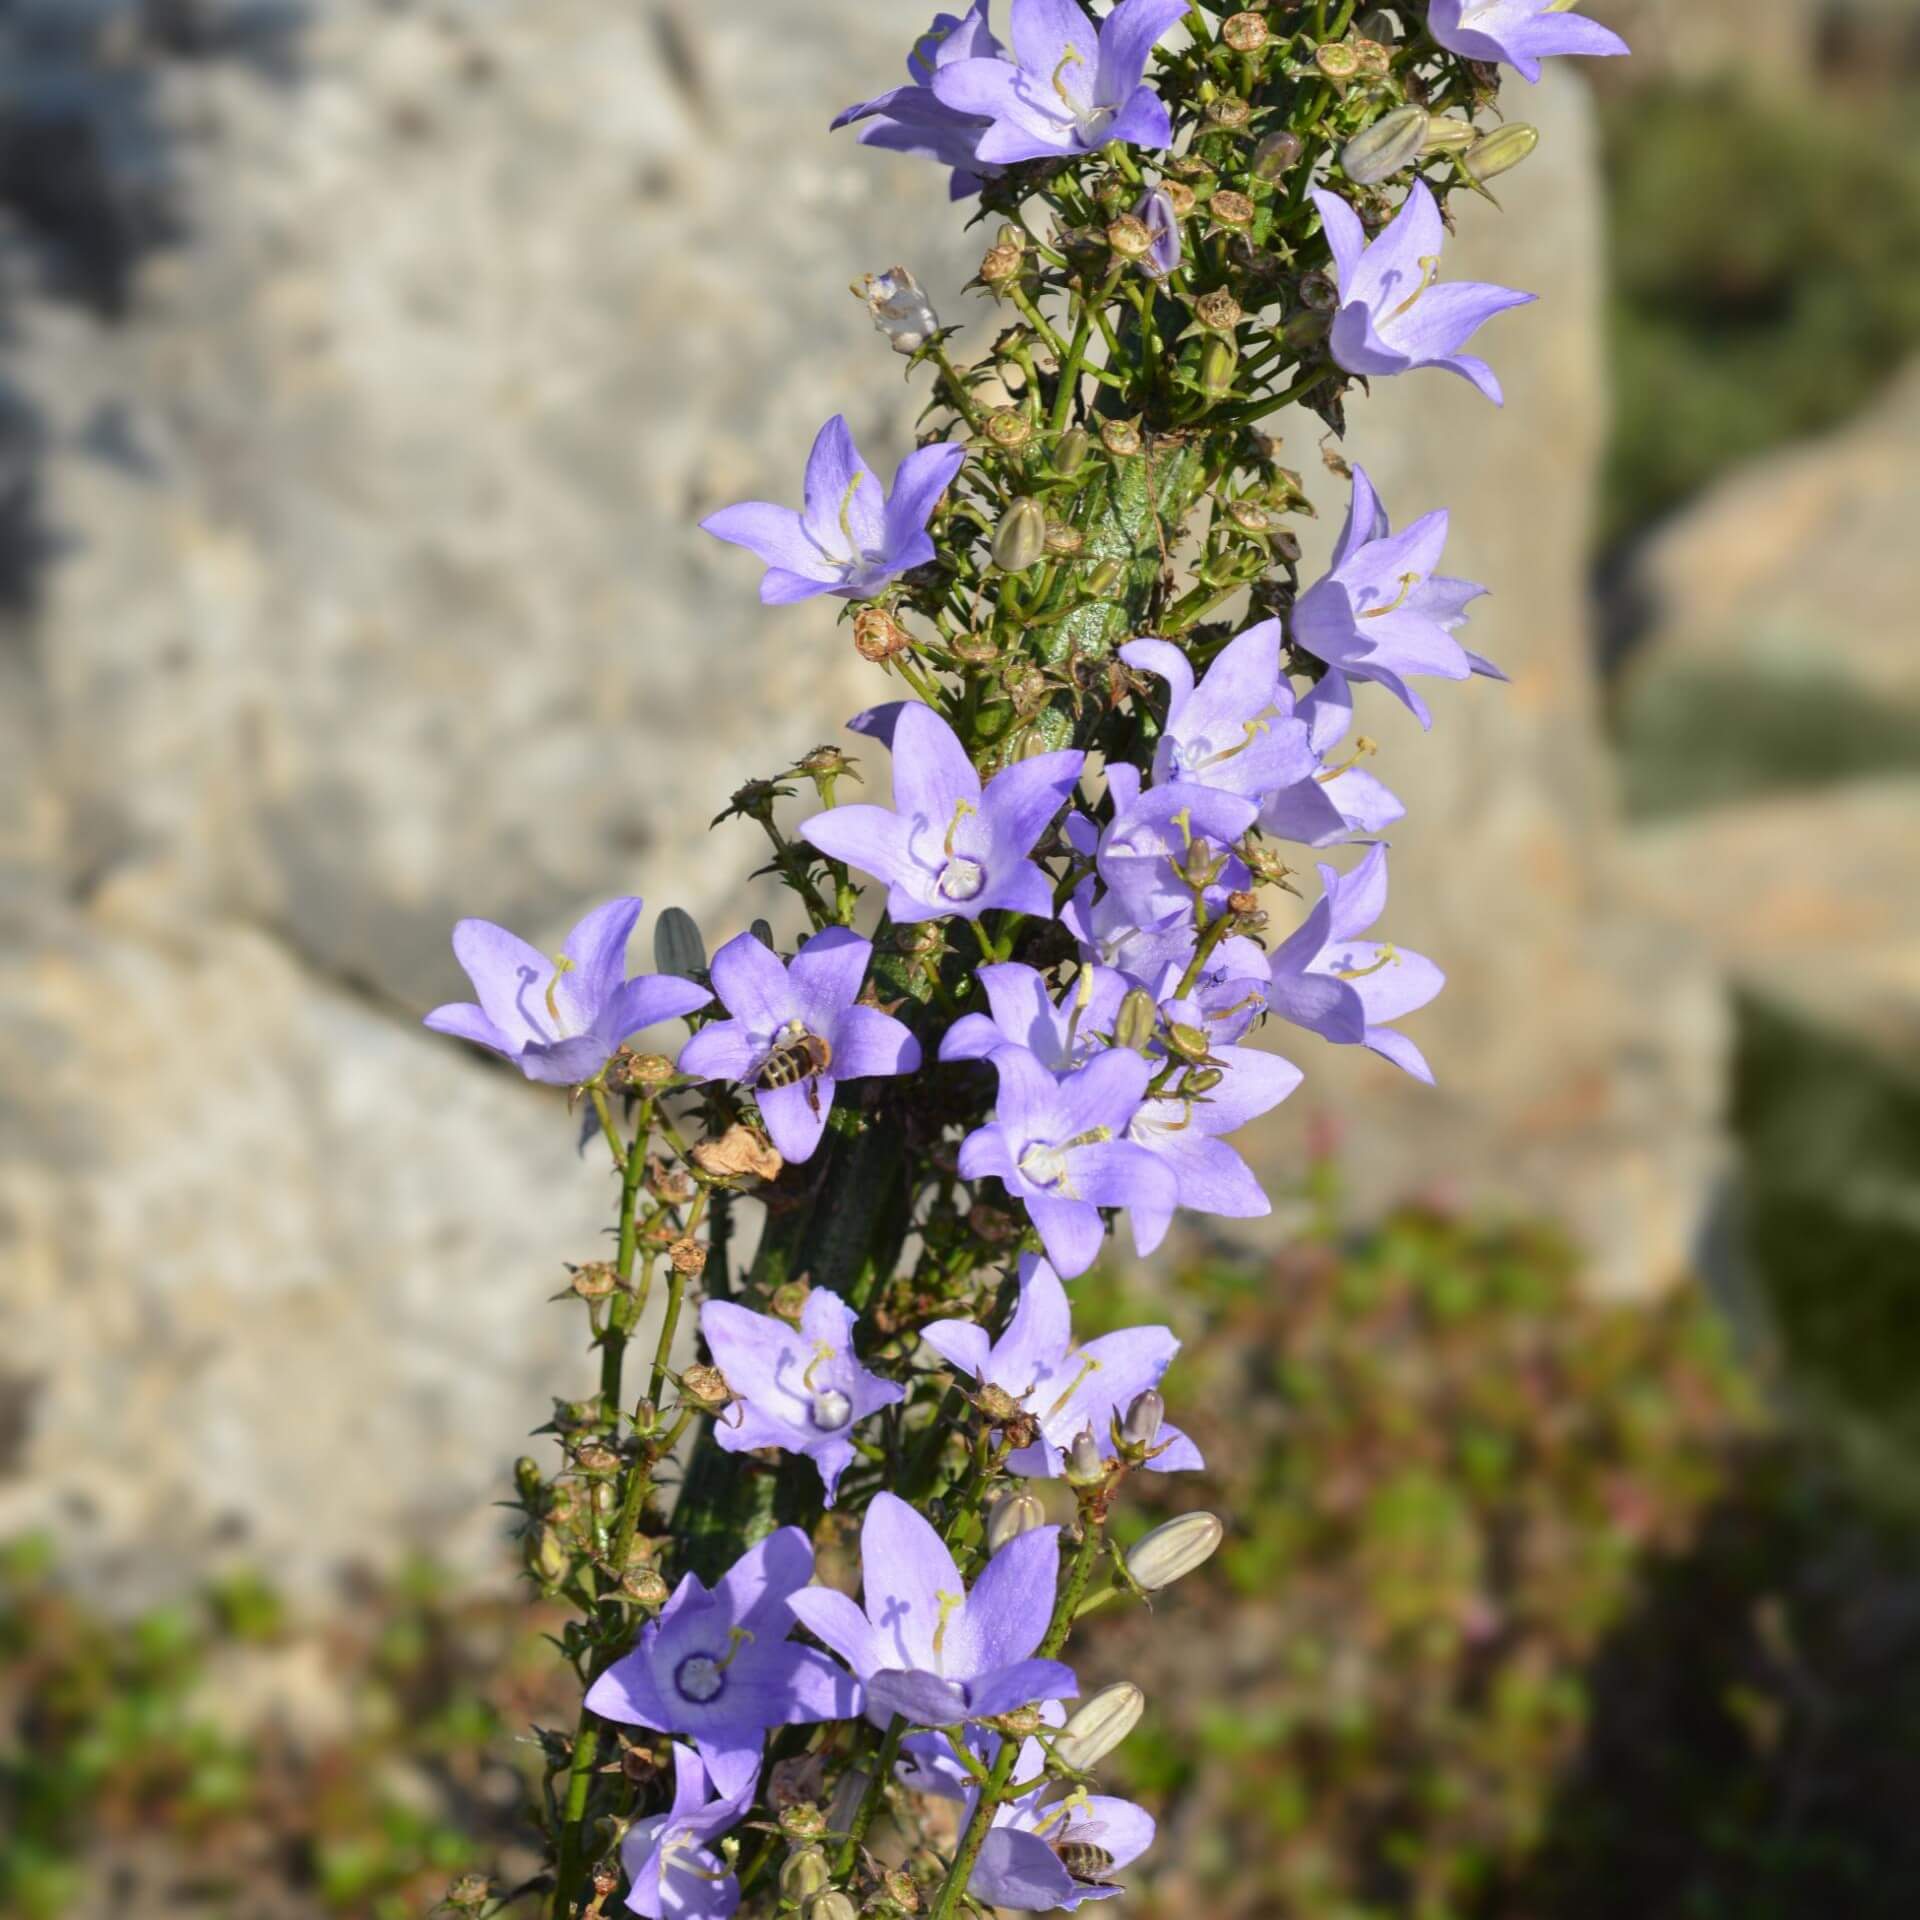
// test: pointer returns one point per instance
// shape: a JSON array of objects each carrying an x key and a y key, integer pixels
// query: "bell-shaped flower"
[
  {"x": 1338, "y": 801},
  {"x": 914, "y": 119},
  {"x": 1382, "y": 612},
  {"x": 926, "y": 1648},
  {"x": 852, "y": 537},
  {"x": 1395, "y": 313},
  {"x": 1055, "y": 1846},
  {"x": 717, "y": 1665},
  {"x": 1162, "y": 844},
  {"x": 1235, "y": 729},
  {"x": 1070, "y": 87},
  {"x": 672, "y": 1872},
  {"x": 1224, "y": 998},
  {"x": 948, "y": 845},
  {"x": 1060, "y": 1147},
  {"x": 797, "y": 1031},
  {"x": 1154, "y": 210},
  {"x": 1182, "y": 1130},
  {"x": 560, "y": 1020},
  {"x": 801, "y": 1389},
  {"x": 1111, "y": 934},
  {"x": 1061, "y": 1036},
  {"x": 1346, "y": 989},
  {"x": 1520, "y": 32},
  {"x": 1068, "y": 1388}
]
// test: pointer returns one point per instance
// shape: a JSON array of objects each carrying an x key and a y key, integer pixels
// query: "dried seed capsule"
[
  {"x": 1020, "y": 540},
  {"x": 1000, "y": 264},
  {"x": 1013, "y": 1514},
  {"x": 1375, "y": 61},
  {"x": 1120, "y": 437},
  {"x": 1318, "y": 294},
  {"x": 1337, "y": 61},
  {"x": 1172, "y": 1551},
  {"x": 1244, "y": 32},
  {"x": 1393, "y": 142},
  {"x": 1128, "y": 237},
  {"x": 1503, "y": 148},
  {"x": 1099, "y": 1725},
  {"x": 1180, "y": 197},
  {"x": 1231, "y": 209},
  {"x": 1009, "y": 429},
  {"x": 900, "y": 309},
  {"x": 877, "y": 636},
  {"x": 1218, "y": 310},
  {"x": 1276, "y": 155},
  {"x": 677, "y": 946},
  {"x": 1447, "y": 133},
  {"x": 1249, "y": 516},
  {"x": 1063, "y": 539},
  {"x": 1228, "y": 111}
]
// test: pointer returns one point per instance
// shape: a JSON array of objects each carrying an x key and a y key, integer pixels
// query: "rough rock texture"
[
  {"x": 1579, "y": 1067},
  {"x": 356, "y": 586}
]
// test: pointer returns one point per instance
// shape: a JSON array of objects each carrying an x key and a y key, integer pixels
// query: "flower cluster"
[{"x": 1038, "y": 985}]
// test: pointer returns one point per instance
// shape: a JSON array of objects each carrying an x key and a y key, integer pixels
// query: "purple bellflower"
[
  {"x": 671, "y": 1873},
  {"x": 1236, "y": 728},
  {"x": 560, "y": 1020},
  {"x": 1023, "y": 1860},
  {"x": 1394, "y": 314},
  {"x": 1062, "y": 1037},
  {"x": 1110, "y": 934},
  {"x": 1060, "y": 1147},
  {"x": 1520, "y": 32},
  {"x": 1226, "y": 996},
  {"x": 1328, "y": 980},
  {"x": 1382, "y": 613},
  {"x": 1071, "y": 87},
  {"x": 1069, "y": 1389},
  {"x": 948, "y": 846},
  {"x": 926, "y": 1648},
  {"x": 1183, "y": 1132},
  {"x": 801, "y": 1390},
  {"x": 797, "y": 1031},
  {"x": 718, "y": 1666},
  {"x": 1156, "y": 837},
  {"x": 1336, "y": 801},
  {"x": 914, "y": 119},
  {"x": 851, "y": 538},
  {"x": 1154, "y": 210}
]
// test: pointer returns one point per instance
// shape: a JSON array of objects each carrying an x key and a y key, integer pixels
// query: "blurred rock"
[
  {"x": 1579, "y": 1067},
  {"x": 1776, "y": 624}
]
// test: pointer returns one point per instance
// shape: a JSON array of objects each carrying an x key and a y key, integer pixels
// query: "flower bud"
[
  {"x": 900, "y": 309},
  {"x": 1013, "y": 1514},
  {"x": 1070, "y": 455},
  {"x": 1098, "y": 1725},
  {"x": 1084, "y": 1463},
  {"x": 677, "y": 946},
  {"x": 804, "y": 1874},
  {"x": 877, "y": 636},
  {"x": 1244, "y": 32},
  {"x": 830, "y": 1905},
  {"x": 1376, "y": 25},
  {"x": 1157, "y": 214},
  {"x": 789, "y": 1301},
  {"x": 547, "y": 1557},
  {"x": 1205, "y": 1080},
  {"x": 1138, "y": 1018},
  {"x": 1276, "y": 155},
  {"x": 1219, "y": 361},
  {"x": 1392, "y": 143},
  {"x": 1447, "y": 133},
  {"x": 848, "y": 1792},
  {"x": 1020, "y": 540},
  {"x": 1505, "y": 147},
  {"x": 1231, "y": 209},
  {"x": 527, "y": 1481},
  {"x": 1103, "y": 579},
  {"x": 1145, "y": 1417},
  {"x": 762, "y": 930},
  {"x": 1172, "y": 1551}
]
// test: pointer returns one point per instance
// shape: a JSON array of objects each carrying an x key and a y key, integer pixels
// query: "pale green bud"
[
  {"x": 1013, "y": 1514},
  {"x": 831, "y": 1905},
  {"x": 1071, "y": 454},
  {"x": 804, "y": 1874},
  {"x": 677, "y": 946},
  {"x": 1392, "y": 143},
  {"x": 1219, "y": 361},
  {"x": 1447, "y": 133},
  {"x": 1505, "y": 147},
  {"x": 1020, "y": 540},
  {"x": 1099, "y": 1725},
  {"x": 1173, "y": 1551},
  {"x": 1138, "y": 1017}
]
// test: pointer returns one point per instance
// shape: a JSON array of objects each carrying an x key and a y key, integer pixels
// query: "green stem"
[{"x": 870, "y": 1800}]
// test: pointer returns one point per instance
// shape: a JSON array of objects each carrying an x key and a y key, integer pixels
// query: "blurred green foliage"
[{"x": 1766, "y": 278}]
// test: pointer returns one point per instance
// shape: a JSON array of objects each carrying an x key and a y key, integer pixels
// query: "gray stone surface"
[{"x": 372, "y": 595}]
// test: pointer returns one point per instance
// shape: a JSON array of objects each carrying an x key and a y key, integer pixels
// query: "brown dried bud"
[
  {"x": 901, "y": 1891},
  {"x": 632, "y": 1069},
  {"x": 644, "y": 1587},
  {"x": 705, "y": 1386},
  {"x": 1376, "y": 61},
  {"x": 1231, "y": 209},
  {"x": 596, "y": 1457},
  {"x": 469, "y": 1893},
  {"x": 1241, "y": 902},
  {"x": 1121, "y": 438},
  {"x": 1318, "y": 294},
  {"x": 1190, "y": 166},
  {"x": 1244, "y": 32},
  {"x": 1180, "y": 197},
  {"x": 1130, "y": 237},
  {"x": 789, "y": 1301},
  {"x": 1218, "y": 310},
  {"x": 1023, "y": 1722},
  {"x": 996, "y": 1403},
  {"x": 976, "y": 649},
  {"x": 1228, "y": 111},
  {"x": 804, "y": 1822},
  {"x": 1063, "y": 539},
  {"x": 1009, "y": 429},
  {"x": 1249, "y": 516},
  {"x": 1337, "y": 62},
  {"x": 595, "y": 1280},
  {"x": 672, "y": 1184},
  {"x": 687, "y": 1256},
  {"x": 640, "y": 1764},
  {"x": 739, "y": 1151},
  {"x": 877, "y": 635},
  {"x": 1000, "y": 264},
  {"x": 605, "y": 1879}
]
